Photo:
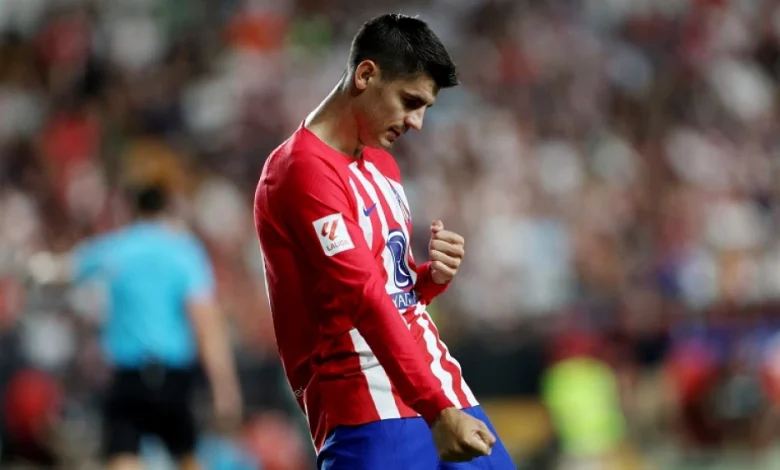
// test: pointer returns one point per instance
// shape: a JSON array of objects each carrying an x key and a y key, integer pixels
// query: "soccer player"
[
  {"x": 379, "y": 388},
  {"x": 161, "y": 314}
]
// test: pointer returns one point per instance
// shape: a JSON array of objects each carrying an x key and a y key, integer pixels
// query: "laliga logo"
[
  {"x": 333, "y": 234},
  {"x": 329, "y": 232},
  {"x": 396, "y": 243}
]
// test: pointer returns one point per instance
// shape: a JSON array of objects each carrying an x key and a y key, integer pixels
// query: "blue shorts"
[{"x": 400, "y": 444}]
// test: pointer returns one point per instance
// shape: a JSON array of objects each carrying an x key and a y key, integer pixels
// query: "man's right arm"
[
  {"x": 314, "y": 204},
  {"x": 83, "y": 262},
  {"x": 211, "y": 333}
]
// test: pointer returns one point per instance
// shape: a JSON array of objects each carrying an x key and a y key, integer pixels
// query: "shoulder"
[
  {"x": 296, "y": 161},
  {"x": 101, "y": 249},
  {"x": 304, "y": 166},
  {"x": 110, "y": 239},
  {"x": 385, "y": 163},
  {"x": 189, "y": 242}
]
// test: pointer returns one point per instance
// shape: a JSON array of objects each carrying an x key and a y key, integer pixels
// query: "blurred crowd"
[{"x": 613, "y": 165}]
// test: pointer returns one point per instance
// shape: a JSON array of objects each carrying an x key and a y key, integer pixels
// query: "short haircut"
[
  {"x": 403, "y": 47},
  {"x": 148, "y": 199}
]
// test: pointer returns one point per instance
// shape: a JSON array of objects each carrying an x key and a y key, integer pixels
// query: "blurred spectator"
[{"x": 31, "y": 407}]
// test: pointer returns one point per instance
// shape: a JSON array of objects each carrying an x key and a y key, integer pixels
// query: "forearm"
[
  {"x": 406, "y": 363},
  {"x": 214, "y": 347}
]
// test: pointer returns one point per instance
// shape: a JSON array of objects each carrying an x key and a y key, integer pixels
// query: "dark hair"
[
  {"x": 403, "y": 47},
  {"x": 148, "y": 200}
]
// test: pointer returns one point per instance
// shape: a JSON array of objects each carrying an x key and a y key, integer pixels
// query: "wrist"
[
  {"x": 445, "y": 415},
  {"x": 427, "y": 288},
  {"x": 431, "y": 407},
  {"x": 447, "y": 412}
]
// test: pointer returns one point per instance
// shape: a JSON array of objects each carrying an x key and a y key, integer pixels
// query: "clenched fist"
[
  {"x": 460, "y": 437},
  {"x": 446, "y": 251}
]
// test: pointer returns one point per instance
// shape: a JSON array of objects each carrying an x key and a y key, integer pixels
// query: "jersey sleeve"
[
  {"x": 198, "y": 273},
  {"x": 425, "y": 288},
  {"x": 87, "y": 259},
  {"x": 320, "y": 215}
]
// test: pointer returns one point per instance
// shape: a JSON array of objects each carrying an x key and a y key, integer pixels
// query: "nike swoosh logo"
[{"x": 368, "y": 211}]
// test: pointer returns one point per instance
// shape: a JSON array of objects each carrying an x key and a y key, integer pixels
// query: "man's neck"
[{"x": 334, "y": 122}]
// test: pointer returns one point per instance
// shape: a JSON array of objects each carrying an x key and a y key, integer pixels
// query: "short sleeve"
[
  {"x": 89, "y": 259},
  {"x": 199, "y": 274}
]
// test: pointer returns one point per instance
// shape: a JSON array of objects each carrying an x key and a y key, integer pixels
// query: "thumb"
[
  {"x": 477, "y": 442},
  {"x": 436, "y": 226},
  {"x": 486, "y": 436}
]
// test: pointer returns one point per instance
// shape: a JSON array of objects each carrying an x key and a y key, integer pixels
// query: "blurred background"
[{"x": 613, "y": 164}]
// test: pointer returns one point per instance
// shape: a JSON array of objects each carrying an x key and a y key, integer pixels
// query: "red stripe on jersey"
[
  {"x": 425, "y": 337},
  {"x": 403, "y": 409},
  {"x": 377, "y": 240},
  {"x": 449, "y": 366},
  {"x": 384, "y": 204}
]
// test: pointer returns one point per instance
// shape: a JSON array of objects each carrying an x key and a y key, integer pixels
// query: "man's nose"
[{"x": 414, "y": 120}]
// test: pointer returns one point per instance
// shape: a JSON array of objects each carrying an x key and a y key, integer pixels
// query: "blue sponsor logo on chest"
[{"x": 404, "y": 300}]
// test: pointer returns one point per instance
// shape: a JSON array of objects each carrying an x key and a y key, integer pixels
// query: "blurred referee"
[{"x": 161, "y": 313}]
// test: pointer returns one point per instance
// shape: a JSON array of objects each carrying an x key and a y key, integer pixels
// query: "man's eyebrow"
[{"x": 420, "y": 98}]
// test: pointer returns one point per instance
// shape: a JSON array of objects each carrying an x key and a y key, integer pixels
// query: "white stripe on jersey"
[
  {"x": 400, "y": 190},
  {"x": 363, "y": 219},
  {"x": 396, "y": 209},
  {"x": 432, "y": 344},
  {"x": 373, "y": 195},
  {"x": 379, "y": 385},
  {"x": 265, "y": 277},
  {"x": 472, "y": 400},
  {"x": 387, "y": 193},
  {"x": 387, "y": 258}
]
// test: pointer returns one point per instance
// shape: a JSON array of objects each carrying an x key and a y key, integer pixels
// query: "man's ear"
[{"x": 365, "y": 72}]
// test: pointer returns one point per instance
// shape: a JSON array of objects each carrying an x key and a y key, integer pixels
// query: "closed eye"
[
  {"x": 415, "y": 102},
  {"x": 411, "y": 103}
]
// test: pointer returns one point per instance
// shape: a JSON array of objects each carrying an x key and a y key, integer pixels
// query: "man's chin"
[
  {"x": 384, "y": 143},
  {"x": 381, "y": 143}
]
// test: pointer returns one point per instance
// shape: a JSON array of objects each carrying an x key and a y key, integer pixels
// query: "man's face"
[{"x": 387, "y": 109}]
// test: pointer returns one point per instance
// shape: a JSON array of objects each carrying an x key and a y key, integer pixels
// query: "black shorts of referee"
[{"x": 154, "y": 400}]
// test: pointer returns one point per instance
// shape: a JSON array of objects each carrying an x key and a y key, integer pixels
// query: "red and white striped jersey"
[{"x": 348, "y": 300}]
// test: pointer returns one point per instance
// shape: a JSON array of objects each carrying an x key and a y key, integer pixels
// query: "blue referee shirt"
[{"x": 152, "y": 271}]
